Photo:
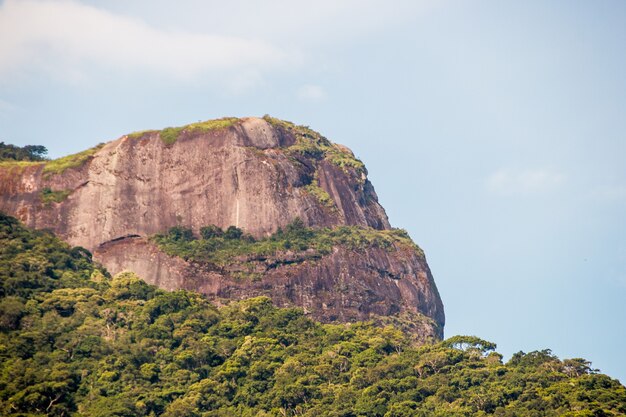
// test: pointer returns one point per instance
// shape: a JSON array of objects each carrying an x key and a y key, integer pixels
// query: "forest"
[{"x": 75, "y": 341}]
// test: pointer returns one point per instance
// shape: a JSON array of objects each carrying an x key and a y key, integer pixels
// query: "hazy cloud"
[
  {"x": 310, "y": 92},
  {"x": 6, "y": 110},
  {"x": 299, "y": 22},
  {"x": 234, "y": 43},
  {"x": 63, "y": 37},
  {"x": 5, "y": 106},
  {"x": 611, "y": 193},
  {"x": 510, "y": 182}
]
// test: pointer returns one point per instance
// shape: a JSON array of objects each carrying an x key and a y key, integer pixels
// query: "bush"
[
  {"x": 233, "y": 233},
  {"x": 180, "y": 233},
  {"x": 211, "y": 231}
]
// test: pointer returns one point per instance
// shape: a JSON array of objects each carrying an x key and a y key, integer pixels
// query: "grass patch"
[
  {"x": 137, "y": 135},
  {"x": 58, "y": 166},
  {"x": 170, "y": 135},
  {"x": 215, "y": 124},
  {"x": 222, "y": 250},
  {"x": 10, "y": 163},
  {"x": 48, "y": 196}
]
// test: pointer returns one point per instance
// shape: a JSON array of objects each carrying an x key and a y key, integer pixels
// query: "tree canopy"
[
  {"x": 76, "y": 342},
  {"x": 25, "y": 153}
]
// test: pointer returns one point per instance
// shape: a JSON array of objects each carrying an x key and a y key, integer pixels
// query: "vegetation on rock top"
[
  {"x": 59, "y": 165},
  {"x": 221, "y": 247},
  {"x": 170, "y": 135},
  {"x": 54, "y": 166},
  {"x": 74, "y": 342},
  {"x": 311, "y": 144}
]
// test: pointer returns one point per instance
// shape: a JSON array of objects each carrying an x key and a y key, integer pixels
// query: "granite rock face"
[{"x": 257, "y": 174}]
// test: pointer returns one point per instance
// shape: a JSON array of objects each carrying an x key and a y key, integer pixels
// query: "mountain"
[
  {"x": 141, "y": 202},
  {"x": 75, "y": 341}
]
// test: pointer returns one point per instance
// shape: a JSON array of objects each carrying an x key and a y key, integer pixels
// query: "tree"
[
  {"x": 180, "y": 233},
  {"x": 233, "y": 232},
  {"x": 211, "y": 231},
  {"x": 469, "y": 343},
  {"x": 26, "y": 153}
]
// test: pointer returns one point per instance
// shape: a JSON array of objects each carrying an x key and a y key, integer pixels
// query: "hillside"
[
  {"x": 257, "y": 175},
  {"x": 75, "y": 341}
]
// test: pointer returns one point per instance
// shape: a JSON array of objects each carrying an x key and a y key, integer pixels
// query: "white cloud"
[
  {"x": 234, "y": 43},
  {"x": 302, "y": 22},
  {"x": 310, "y": 92},
  {"x": 530, "y": 181},
  {"x": 65, "y": 37}
]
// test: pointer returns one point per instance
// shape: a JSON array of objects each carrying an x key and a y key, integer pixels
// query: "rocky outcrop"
[
  {"x": 257, "y": 174},
  {"x": 345, "y": 285},
  {"x": 240, "y": 175}
]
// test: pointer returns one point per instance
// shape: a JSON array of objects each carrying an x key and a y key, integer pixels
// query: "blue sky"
[{"x": 493, "y": 131}]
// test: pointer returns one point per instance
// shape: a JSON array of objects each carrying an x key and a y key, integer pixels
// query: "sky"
[{"x": 493, "y": 131}]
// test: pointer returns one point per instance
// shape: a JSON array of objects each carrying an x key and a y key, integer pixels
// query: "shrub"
[
  {"x": 211, "y": 231},
  {"x": 49, "y": 196},
  {"x": 233, "y": 232},
  {"x": 180, "y": 233}
]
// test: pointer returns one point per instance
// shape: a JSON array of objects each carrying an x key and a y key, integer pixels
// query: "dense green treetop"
[
  {"x": 22, "y": 153},
  {"x": 74, "y": 342}
]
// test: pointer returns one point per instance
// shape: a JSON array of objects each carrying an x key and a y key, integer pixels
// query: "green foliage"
[
  {"x": 121, "y": 347},
  {"x": 211, "y": 231},
  {"x": 16, "y": 167},
  {"x": 34, "y": 261},
  {"x": 470, "y": 343},
  {"x": 58, "y": 166},
  {"x": 320, "y": 194},
  {"x": 215, "y": 124},
  {"x": 180, "y": 233},
  {"x": 222, "y": 249},
  {"x": 141, "y": 133},
  {"x": 233, "y": 233},
  {"x": 51, "y": 167},
  {"x": 49, "y": 196},
  {"x": 311, "y": 144},
  {"x": 22, "y": 153},
  {"x": 170, "y": 135}
]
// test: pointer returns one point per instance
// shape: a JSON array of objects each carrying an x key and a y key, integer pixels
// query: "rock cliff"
[{"x": 258, "y": 174}]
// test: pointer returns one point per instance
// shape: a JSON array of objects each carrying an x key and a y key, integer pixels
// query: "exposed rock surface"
[{"x": 257, "y": 174}]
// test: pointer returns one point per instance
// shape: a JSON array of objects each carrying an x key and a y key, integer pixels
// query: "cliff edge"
[{"x": 257, "y": 174}]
